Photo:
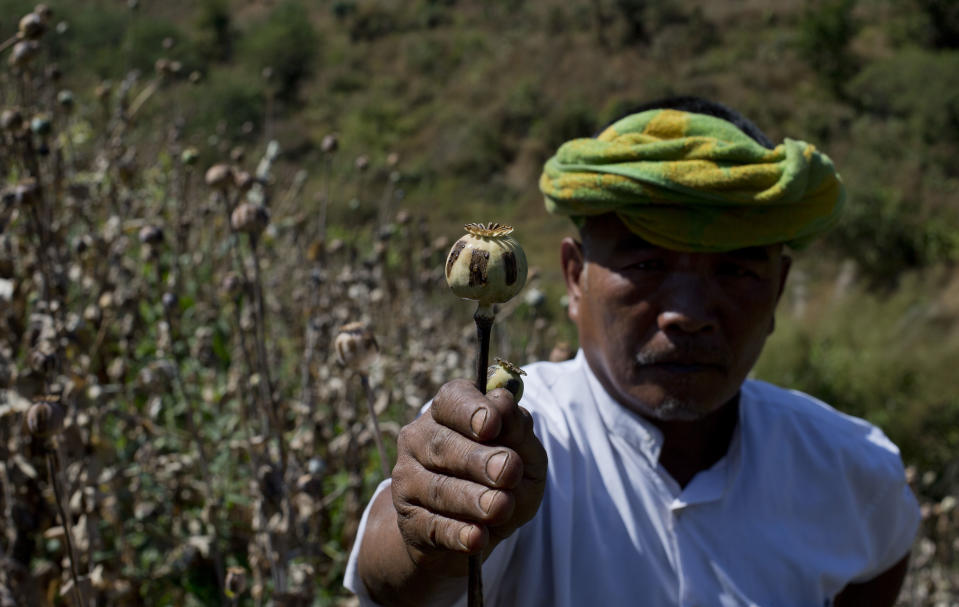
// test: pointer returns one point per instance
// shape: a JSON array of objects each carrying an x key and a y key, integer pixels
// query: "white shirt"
[{"x": 805, "y": 501}]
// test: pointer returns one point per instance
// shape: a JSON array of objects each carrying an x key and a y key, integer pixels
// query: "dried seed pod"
[
  {"x": 53, "y": 73},
  {"x": 219, "y": 176},
  {"x": 65, "y": 99},
  {"x": 150, "y": 234},
  {"x": 356, "y": 347},
  {"x": 250, "y": 218},
  {"x": 487, "y": 264},
  {"x": 162, "y": 66},
  {"x": 41, "y": 125},
  {"x": 45, "y": 416},
  {"x": 243, "y": 180},
  {"x": 32, "y": 26},
  {"x": 392, "y": 159},
  {"x": 24, "y": 52},
  {"x": 102, "y": 91},
  {"x": 362, "y": 162},
  {"x": 232, "y": 285},
  {"x": 504, "y": 374},
  {"x": 43, "y": 358},
  {"x": 27, "y": 192},
  {"x": 44, "y": 11},
  {"x": 11, "y": 120},
  {"x": 534, "y": 298},
  {"x": 235, "y": 583},
  {"x": 189, "y": 156},
  {"x": 330, "y": 143},
  {"x": 169, "y": 301}
]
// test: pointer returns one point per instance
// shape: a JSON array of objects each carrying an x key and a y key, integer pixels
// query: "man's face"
[{"x": 670, "y": 335}]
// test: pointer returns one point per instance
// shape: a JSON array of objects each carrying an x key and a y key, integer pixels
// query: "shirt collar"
[{"x": 640, "y": 434}]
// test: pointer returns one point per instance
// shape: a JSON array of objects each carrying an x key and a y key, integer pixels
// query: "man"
[{"x": 649, "y": 470}]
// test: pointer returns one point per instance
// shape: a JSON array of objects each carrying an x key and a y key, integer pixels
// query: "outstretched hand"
[{"x": 469, "y": 472}]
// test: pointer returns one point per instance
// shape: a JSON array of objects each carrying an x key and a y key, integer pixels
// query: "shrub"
[
  {"x": 916, "y": 85},
  {"x": 825, "y": 31},
  {"x": 215, "y": 34},
  {"x": 285, "y": 42},
  {"x": 888, "y": 358}
]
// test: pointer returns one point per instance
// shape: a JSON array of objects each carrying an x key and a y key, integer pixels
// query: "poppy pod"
[
  {"x": 504, "y": 374},
  {"x": 486, "y": 264},
  {"x": 250, "y": 218},
  {"x": 356, "y": 347},
  {"x": 32, "y": 26},
  {"x": 235, "y": 583},
  {"x": 219, "y": 176},
  {"x": 45, "y": 417}
]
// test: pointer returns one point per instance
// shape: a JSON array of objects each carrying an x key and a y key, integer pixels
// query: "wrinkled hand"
[{"x": 469, "y": 472}]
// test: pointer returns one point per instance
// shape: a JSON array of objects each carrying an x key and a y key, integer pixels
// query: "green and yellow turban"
[{"x": 692, "y": 182}]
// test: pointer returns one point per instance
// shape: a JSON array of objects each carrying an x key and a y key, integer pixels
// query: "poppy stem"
[{"x": 483, "y": 318}]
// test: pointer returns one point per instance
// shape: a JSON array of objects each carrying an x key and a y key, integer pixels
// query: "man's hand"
[{"x": 469, "y": 472}]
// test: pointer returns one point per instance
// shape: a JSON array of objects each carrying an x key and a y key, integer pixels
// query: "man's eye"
[
  {"x": 737, "y": 270},
  {"x": 646, "y": 265}
]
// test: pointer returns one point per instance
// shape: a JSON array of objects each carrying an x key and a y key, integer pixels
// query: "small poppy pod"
[
  {"x": 65, "y": 99},
  {"x": 27, "y": 192},
  {"x": 329, "y": 144},
  {"x": 11, "y": 120},
  {"x": 169, "y": 301},
  {"x": 504, "y": 374},
  {"x": 32, "y": 26},
  {"x": 250, "y": 218},
  {"x": 23, "y": 52},
  {"x": 151, "y": 235},
  {"x": 219, "y": 176},
  {"x": 235, "y": 583},
  {"x": 189, "y": 156},
  {"x": 356, "y": 348},
  {"x": 487, "y": 264},
  {"x": 103, "y": 90},
  {"x": 45, "y": 417},
  {"x": 162, "y": 66},
  {"x": 44, "y": 11},
  {"x": 232, "y": 285},
  {"x": 362, "y": 162},
  {"x": 41, "y": 125},
  {"x": 43, "y": 358},
  {"x": 243, "y": 180},
  {"x": 53, "y": 73}
]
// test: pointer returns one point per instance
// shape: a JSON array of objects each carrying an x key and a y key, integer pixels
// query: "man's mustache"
[{"x": 683, "y": 354}]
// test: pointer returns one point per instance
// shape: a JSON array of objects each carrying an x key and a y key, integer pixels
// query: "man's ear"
[{"x": 571, "y": 256}]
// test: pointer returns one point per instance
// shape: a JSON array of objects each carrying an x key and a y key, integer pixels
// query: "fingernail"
[
  {"x": 478, "y": 421},
  {"x": 486, "y": 500},
  {"x": 495, "y": 465},
  {"x": 465, "y": 533}
]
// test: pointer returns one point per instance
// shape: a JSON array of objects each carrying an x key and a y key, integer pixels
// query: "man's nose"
[{"x": 687, "y": 304}]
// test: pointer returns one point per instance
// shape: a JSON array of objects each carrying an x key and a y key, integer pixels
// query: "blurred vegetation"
[{"x": 473, "y": 97}]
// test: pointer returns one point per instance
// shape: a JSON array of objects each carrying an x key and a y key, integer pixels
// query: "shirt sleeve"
[
  {"x": 893, "y": 521},
  {"x": 351, "y": 579}
]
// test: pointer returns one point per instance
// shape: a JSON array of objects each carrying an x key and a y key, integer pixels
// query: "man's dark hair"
[{"x": 698, "y": 105}]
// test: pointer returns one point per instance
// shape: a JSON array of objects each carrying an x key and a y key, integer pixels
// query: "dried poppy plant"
[
  {"x": 488, "y": 266},
  {"x": 356, "y": 349}
]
